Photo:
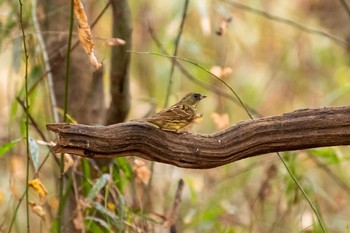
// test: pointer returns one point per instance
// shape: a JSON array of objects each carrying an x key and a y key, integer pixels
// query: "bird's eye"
[{"x": 197, "y": 96}]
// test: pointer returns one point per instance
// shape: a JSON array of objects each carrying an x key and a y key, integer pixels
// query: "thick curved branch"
[{"x": 301, "y": 129}]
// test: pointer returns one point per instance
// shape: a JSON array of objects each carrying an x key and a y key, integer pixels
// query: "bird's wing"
[{"x": 179, "y": 111}]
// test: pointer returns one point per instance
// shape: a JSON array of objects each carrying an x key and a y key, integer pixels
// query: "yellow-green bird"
[{"x": 178, "y": 115}]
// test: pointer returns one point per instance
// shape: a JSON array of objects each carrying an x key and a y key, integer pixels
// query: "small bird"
[{"x": 178, "y": 115}]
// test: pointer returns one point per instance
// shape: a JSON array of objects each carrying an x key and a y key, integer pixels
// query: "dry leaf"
[
  {"x": 226, "y": 71},
  {"x": 38, "y": 187},
  {"x": 78, "y": 220},
  {"x": 223, "y": 26},
  {"x": 221, "y": 72},
  {"x": 84, "y": 33},
  {"x": 220, "y": 120},
  {"x": 53, "y": 203},
  {"x": 115, "y": 42},
  {"x": 83, "y": 204},
  {"x": 37, "y": 209},
  {"x": 142, "y": 171}
]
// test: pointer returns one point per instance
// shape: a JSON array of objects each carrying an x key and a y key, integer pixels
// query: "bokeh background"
[{"x": 278, "y": 56}]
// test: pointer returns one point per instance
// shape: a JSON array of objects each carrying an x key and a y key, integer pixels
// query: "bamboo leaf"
[
  {"x": 6, "y": 147},
  {"x": 100, "y": 183}
]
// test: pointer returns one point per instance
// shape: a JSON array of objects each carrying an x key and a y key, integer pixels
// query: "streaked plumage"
[{"x": 178, "y": 115}]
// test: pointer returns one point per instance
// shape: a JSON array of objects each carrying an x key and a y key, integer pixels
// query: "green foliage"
[
  {"x": 7, "y": 146},
  {"x": 328, "y": 155},
  {"x": 96, "y": 188},
  {"x": 122, "y": 173}
]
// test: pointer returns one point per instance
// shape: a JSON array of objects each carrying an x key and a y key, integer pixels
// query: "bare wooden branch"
[{"x": 301, "y": 129}]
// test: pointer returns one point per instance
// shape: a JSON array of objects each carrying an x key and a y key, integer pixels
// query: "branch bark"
[{"x": 301, "y": 129}]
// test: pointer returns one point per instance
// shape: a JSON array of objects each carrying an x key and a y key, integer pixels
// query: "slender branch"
[
  {"x": 26, "y": 113},
  {"x": 312, "y": 206},
  {"x": 301, "y": 129},
  {"x": 288, "y": 22},
  {"x": 65, "y": 109},
  {"x": 346, "y": 6},
  {"x": 172, "y": 217},
  {"x": 177, "y": 41}
]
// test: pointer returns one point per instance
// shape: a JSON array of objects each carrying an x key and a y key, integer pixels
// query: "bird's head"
[{"x": 192, "y": 99}]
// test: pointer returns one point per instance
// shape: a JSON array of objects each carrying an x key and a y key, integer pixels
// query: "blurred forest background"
[{"x": 278, "y": 56}]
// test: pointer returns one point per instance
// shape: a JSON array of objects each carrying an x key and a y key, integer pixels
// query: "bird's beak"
[{"x": 203, "y": 97}]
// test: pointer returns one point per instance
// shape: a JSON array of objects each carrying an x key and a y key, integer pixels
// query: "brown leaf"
[
  {"x": 68, "y": 162},
  {"x": 223, "y": 26},
  {"x": 142, "y": 171},
  {"x": 37, "y": 209},
  {"x": 221, "y": 72},
  {"x": 78, "y": 220},
  {"x": 84, "y": 33},
  {"x": 115, "y": 42}
]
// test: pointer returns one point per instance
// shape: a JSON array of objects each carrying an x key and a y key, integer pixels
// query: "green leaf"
[
  {"x": 121, "y": 212},
  {"x": 327, "y": 154},
  {"x": 86, "y": 185},
  {"x": 122, "y": 173},
  {"x": 115, "y": 220},
  {"x": 34, "y": 152},
  {"x": 100, "y": 183},
  {"x": 125, "y": 167},
  {"x": 6, "y": 147},
  {"x": 100, "y": 222}
]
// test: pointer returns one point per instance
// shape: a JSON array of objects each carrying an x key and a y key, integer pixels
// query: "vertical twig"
[
  {"x": 289, "y": 22},
  {"x": 16, "y": 211},
  {"x": 172, "y": 217},
  {"x": 26, "y": 113},
  {"x": 177, "y": 41},
  {"x": 61, "y": 183}
]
